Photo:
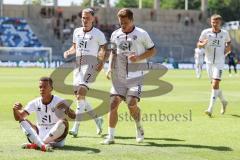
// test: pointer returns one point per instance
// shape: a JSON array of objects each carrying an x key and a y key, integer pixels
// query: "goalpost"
[{"x": 26, "y": 54}]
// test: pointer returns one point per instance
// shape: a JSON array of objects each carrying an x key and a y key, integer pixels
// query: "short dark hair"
[
  {"x": 47, "y": 79},
  {"x": 125, "y": 12},
  {"x": 88, "y": 10}
]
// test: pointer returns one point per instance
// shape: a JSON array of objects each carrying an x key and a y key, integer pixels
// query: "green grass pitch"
[{"x": 195, "y": 137}]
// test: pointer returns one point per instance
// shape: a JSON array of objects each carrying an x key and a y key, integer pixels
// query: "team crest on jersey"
[
  {"x": 53, "y": 109},
  {"x": 125, "y": 45},
  {"x": 134, "y": 37}
]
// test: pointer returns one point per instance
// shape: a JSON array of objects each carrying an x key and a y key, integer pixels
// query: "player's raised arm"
[
  {"x": 18, "y": 112},
  {"x": 70, "y": 51}
]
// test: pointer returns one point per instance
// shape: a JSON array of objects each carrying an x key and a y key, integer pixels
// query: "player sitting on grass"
[{"x": 51, "y": 130}]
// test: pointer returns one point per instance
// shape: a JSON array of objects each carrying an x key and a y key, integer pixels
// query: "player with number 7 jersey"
[{"x": 89, "y": 45}]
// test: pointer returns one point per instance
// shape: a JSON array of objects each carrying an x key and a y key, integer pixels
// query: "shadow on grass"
[
  {"x": 120, "y": 137},
  {"x": 79, "y": 148},
  {"x": 146, "y": 138},
  {"x": 235, "y": 115},
  {"x": 95, "y": 137},
  {"x": 153, "y": 144}
]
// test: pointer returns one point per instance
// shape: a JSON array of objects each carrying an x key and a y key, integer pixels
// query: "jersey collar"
[
  {"x": 49, "y": 101},
  {"x": 88, "y": 30},
  {"x": 217, "y": 32},
  {"x": 130, "y": 31}
]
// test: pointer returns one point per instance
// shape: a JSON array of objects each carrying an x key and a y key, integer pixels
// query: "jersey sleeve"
[
  {"x": 228, "y": 39},
  {"x": 147, "y": 41},
  {"x": 101, "y": 39},
  {"x": 112, "y": 38},
  {"x": 30, "y": 107},
  {"x": 113, "y": 45},
  {"x": 203, "y": 36},
  {"x": 74, "y": 36}
]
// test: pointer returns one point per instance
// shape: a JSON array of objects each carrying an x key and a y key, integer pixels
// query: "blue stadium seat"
[{"x": 15, "y": 32}]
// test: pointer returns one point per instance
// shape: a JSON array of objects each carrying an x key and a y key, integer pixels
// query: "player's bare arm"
[
  {"x": 18, "y": 112},
  {"x": 202, "y": 43},
  {"x": 111, "y": 63},
  {"x": 70, "y": 51},
  {"x": 228, "y": 48},
  {"x": 102, "y": 57},
  {"x": 147, "y": 54},
  {"x": 68, "y": 111}
]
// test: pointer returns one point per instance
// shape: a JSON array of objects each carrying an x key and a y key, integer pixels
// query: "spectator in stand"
[
  {"x": 186, "y": 20},
  {"x": 179, "y": 17}
]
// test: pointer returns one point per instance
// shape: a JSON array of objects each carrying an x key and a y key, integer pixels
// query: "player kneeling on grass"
[{"x": 51, "y": 130}]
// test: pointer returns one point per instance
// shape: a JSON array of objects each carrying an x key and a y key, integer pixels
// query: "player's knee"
[
  {"x": 61, "y": 125},
  {"x": 215, "y": 84},
  {"x": 115, "y": 101},
  {"x": 134, "y": 111},
  {"x": 81, "y": 93},
  {"x": 57, "y": 131},
  {"x": 132, "y": 102},
  {"x": 80, "y": 97}
]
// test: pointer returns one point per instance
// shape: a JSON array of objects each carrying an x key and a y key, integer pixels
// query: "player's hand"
[
  {"x": 108, "y": 74},
  {"x": 99, "y": 66},
  {"x": 17, "y": 106},
  {"x": 204, "y": 42},
  {"x": 133, "y": 57},
  {"x": 227, "y": 50},
  {"x": 66, "y": 54}
]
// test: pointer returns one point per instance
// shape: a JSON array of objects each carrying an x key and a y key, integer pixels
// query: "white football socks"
[
  {"x": 90, "y": 111},
  {"x": 111, "y": 132},
  {"x": 220, "y": 95},
  {"x": 31, "y": 133},
  {"x": 80, "y": 109},
  {"x": 214, "y": 95}
]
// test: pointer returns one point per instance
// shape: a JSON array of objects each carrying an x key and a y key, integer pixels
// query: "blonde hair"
[
  {"x": 216, "y": 17},
  {"x": 125, "y": 12}
]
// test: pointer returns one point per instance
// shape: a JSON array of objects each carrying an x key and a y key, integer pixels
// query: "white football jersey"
[
  {"x": 215, "y": 48},
  {"x": 137, "y": 42},
  {"x": 46, "y": 116},
  {"x": 88, "y": 43}
]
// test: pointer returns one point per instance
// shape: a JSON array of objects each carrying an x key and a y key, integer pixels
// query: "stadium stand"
[
  {"x": 175, "y": 32},
  {"x": 15, "y": 32}
]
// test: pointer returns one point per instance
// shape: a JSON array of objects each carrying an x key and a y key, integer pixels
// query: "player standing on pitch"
[
  {"x": 199, "y": 59},
  {"x": 216, "y": 42},
  {"x": 51, "y": 130},
  {"x": 88, "y": 42},
  {"x": 133, "y": 45}
]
